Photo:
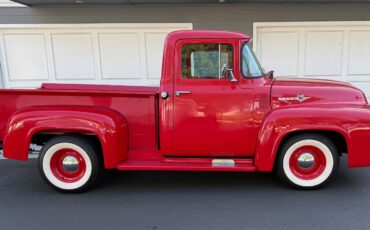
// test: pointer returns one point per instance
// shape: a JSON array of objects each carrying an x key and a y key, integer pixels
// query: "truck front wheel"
[
  {"x": 69, "y": 163},
  {"x": 307, "y": 161}
]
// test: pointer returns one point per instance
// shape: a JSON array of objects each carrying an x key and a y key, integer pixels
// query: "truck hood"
[{"x": 290, "y": 91}]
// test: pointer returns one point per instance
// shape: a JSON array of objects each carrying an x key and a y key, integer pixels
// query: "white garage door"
[
  {"x": 330, "y": 50},
  {"x": 84, "y": 53}
]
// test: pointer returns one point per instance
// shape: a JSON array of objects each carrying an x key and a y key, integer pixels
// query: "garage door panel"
[
  {"x": 73, "y": 56},
  {"x": 154, "y": 48},
  {"x": 25, "y": 56},
  {"x": 279, "y": 51},
  {"x": 359, "y": 54},
  {"x": 327, "y": 50},
  {"x": 119, "y": 55},
  {"x": 323, "y": 53},
  {"x": 112, "y": 53}
]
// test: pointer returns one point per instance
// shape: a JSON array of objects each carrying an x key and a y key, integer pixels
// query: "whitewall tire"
[
  {"x": 307, "y": 161},
  {"x": 69, "y": 163}
]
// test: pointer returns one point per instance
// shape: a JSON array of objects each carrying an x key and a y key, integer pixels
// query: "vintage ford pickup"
[{"x": 215, "y": 110}]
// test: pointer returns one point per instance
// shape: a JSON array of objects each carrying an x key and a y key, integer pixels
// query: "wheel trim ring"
[
  {"x": 53, "y": 179},
  {"x": 57, "y": 168},
  {"x": 311, "y": 172},
  {"x": 308, "y": 182}
]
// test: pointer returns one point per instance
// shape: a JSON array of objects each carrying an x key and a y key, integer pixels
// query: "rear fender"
[{"x": 108, "y": 125}]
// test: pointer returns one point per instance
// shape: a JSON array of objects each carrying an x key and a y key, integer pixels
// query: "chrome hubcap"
[
  {"x": 306, "y": 160},
  {"x": 70, "y": 164}
]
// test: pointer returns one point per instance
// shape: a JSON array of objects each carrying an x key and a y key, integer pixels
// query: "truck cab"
[{"x": 214, "y": 95}]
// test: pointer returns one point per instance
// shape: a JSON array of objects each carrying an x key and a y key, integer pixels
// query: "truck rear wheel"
[
  {"x": 307, "y": 161},
  {"x": 69, "y": 163}
]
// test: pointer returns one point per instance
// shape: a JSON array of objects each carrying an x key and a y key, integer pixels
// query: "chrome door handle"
[{"x": 178, "y": 93}]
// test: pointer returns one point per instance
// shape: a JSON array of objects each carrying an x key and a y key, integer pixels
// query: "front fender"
[
  {"x": 108, "y": 125},
  {"x": 351, "y": 121}
]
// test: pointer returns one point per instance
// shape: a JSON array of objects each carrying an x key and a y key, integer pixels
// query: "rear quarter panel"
[
  {"x": 109, "y": 126},
  {"x": 139, "y": 108}
]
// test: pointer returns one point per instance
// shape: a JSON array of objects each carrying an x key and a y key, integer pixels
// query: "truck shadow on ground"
[
  {"x": 24, "y": 176},
  {"x": 156, "y": 180}
]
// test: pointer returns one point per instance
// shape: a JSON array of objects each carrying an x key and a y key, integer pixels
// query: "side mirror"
[
  {"x": 270, "y": 74},
  {"x": 227, "y": 72}
]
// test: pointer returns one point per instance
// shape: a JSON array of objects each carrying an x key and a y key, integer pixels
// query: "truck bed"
[{"x": 139, "y": 104}]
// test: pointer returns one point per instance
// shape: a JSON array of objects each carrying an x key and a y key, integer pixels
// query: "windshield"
[{"x": 250, "y": 66}]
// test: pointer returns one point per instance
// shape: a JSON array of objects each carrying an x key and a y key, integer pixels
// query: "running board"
[{"x": 188, "y": 164}]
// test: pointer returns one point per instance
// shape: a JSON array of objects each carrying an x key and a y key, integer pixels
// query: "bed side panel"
[{"x": 139, "y": 109}]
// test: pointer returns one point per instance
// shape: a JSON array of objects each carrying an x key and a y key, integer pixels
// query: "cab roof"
[{"x": 211, "y": 34}]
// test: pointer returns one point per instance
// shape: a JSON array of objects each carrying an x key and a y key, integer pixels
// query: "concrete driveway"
[{"x": 183, "y": 200}]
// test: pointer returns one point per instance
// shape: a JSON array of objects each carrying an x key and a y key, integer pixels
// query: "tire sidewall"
[
  {"x": 84, "y": 147},
  {"x": 324, "y": 144}
]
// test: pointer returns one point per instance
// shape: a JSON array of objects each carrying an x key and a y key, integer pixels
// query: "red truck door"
[{"x": 212, "y": 115}]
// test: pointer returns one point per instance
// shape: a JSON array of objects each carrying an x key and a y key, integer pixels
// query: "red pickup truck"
[{"x": 215, "y": 110}]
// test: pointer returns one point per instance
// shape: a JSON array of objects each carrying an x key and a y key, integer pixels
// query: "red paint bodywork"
[
  {"x": 245, "y": 120},
  {"x": 108, "y": 125},
  {"x": 56, "y": 166}
]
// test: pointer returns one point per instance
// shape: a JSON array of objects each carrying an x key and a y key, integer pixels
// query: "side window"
[{"x": 202, "y": 61}]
